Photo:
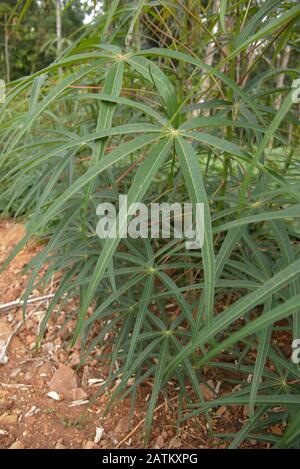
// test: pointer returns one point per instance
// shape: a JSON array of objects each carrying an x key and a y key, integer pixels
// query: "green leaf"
[
  {"x": 245, "y": 304},
  {"x": 142, "y": 180},
  {"x": 197, "y": 193},
  {"x": 261, "y": 148},
  {"x": 223, "y": 6},
  {"x": 157, "y": 385}
]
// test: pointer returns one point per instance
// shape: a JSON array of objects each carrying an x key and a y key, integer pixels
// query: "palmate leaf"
[
  {"x": 109, "y": 17},
  {"x": 126, "y": 102},
  {"x": 41, "y": 258},
  {"x": 60, "y": 88},
  {"x": 193, "y": 178},
  {"x": 143, "y": 307},
  {"x": 21, "y": 84},
  {"x": 292, "y": 433},
  {"x": 242, "y": 434},
  {"x": 272, "y": 25},
  {"x": 284, "y": 243},
  {"x": 173, "y": 290},
  {"x": 255, "y": 21},
  {"x": 109, "y": 160},
  {"x": 221, "y": 144},
  {"x": 223, "y": 6},
  {"x": 121, "y": 152},
  {"x": 244, "y": 305},
  {"x": 262, "y": 353},
  {"x": 261, "y": 148},
  {"x": 138, "y": 10},
  {"x": 211, "y": 70},
  {"x": 104, "y": 309},
  {"x": 264, "y": 337},
  {"x": 204, "y": 122},
  {"x": 112, "y": 86},
  {"x": 291, "y": 400},
  {"x": 285, "y": 213},
  {"x": 234, "y": 150},
  {"x": 153, "y": 73},
  {"x": 269, "y": 317},
  {"x": 145, "y": 354},
  {"x": 142, "y": 180},
  {"x": 157, "y": 385},
  {"x": 81, "y": 142}
]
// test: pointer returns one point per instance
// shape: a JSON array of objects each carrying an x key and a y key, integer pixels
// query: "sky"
[{"x": 89, "y": 18}]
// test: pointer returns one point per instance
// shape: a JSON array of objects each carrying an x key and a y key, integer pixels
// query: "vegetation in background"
[
  {"x": 29, "y": 45},
  {"x": 172, "y": 101}
]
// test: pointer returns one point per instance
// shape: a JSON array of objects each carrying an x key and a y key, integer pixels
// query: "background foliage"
[{"x": 32, "y": 42}]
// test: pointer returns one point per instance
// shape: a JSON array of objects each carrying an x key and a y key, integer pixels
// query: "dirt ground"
[{"x": 45, "y": 402}]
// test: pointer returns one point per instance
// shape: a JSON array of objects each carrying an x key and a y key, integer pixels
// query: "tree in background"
[{"x": 31, "y": 44}]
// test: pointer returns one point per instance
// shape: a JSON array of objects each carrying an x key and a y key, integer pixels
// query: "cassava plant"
[{"x": 171, "y": 101}]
